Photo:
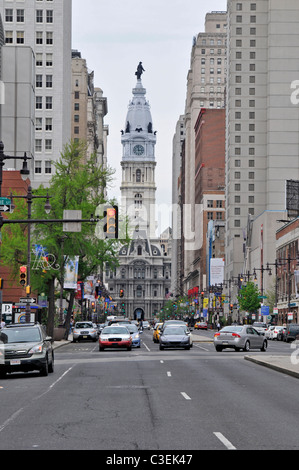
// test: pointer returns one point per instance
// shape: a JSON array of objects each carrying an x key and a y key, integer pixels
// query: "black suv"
[
  {"x": 25, "y": 347},
  {"x": 291, "y": 332}
]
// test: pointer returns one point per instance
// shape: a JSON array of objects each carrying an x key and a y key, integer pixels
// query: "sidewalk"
[{"x": 286, "y": 364}]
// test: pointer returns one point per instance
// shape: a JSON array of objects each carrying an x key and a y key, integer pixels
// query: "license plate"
[
  {"x": 85, "y": 336},
  {"x": 15, "y": 362},
  {"x": 224, "y": 342}
]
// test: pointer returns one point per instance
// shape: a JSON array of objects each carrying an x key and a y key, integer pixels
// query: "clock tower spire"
[{"x": 138, "y": 188}]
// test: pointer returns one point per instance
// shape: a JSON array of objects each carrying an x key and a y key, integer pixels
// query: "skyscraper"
[
  {"x": 45, "y": 26},
  {"x": 262, "y": 141}
]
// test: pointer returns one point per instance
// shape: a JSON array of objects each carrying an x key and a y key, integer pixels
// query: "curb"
[{"x": 275, "y": 367}]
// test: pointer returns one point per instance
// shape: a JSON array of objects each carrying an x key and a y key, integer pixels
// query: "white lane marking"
[
  {"x": 16, "y": 414},
  {"x": 185, "y": 396},
  {"x": 162, "y": 362},
  {"x": 169, "y": 374},
  {"x": 224, "y": 441},
  {"x": 146, "y": 346},
  {"x": 11, "y": 419}
]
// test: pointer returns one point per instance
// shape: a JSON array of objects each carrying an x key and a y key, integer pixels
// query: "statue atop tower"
[{"x": 140, "y": 70}]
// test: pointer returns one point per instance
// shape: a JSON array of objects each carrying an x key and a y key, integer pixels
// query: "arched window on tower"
[{"x": 138, "y": 201}]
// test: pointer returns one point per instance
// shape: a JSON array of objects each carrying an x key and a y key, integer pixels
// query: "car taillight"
[
  {"x": 216, "y": 334},
  {"x": 236, "y": 335}
]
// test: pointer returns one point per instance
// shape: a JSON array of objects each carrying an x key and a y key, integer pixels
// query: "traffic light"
[
  {"x": 111, "y": 225},
  {"x": 23, "y": 276},
  {"x": 202, "y": 295},
  {"x": 121, "y": 293},
  {"x": 1, "y": 283}
]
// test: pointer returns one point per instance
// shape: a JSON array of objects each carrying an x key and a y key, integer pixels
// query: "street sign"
[
  {"x": 25, "y": 300},
  {"x": 4, "y": 208},
  {"x": 4, "y": 201}
]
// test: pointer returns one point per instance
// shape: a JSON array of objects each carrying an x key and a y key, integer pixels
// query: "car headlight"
[{"x": 38, "y": 349}]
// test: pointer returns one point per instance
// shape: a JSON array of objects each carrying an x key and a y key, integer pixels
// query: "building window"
[
  {"x": 48, "y": 167},
  {"x": 20, "y": 16},
  {"x": 37, "y": 167},
  {"x": 9, "y": 15}
]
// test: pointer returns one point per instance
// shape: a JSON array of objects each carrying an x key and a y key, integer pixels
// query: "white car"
[
  {"x": 269, "y": 332},
  {"x": 277, "y": 331},
  {"x": 260, "y": 327},
  {"x": 84, "y": 330}
]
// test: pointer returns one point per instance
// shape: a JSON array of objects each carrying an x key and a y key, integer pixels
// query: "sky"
[{"x": 114, "y": 36}]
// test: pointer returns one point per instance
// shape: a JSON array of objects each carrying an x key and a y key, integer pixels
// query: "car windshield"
[
  {"x": 258, "y": 324},
  {"x": 175, "y": 330},
  {"x": 83, "y": 325},
  {"x": 232, "y": 329},
  {"x": 132, "y": 328},
  {"x": 20, "y": 335},
  {"x": 119, "y": 330}
]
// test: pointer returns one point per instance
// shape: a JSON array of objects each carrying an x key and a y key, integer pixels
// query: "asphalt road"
[{"x": 146, "y": 399}]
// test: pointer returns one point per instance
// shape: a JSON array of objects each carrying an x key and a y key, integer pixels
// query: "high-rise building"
[
  {"x": 45, "y": 27},
  {"x": 206, "y": 86},
  {"x": 262, "y": 141}
]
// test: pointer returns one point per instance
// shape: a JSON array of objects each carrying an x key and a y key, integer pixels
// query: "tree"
[
  {"x": 249, "y": 297},
  {"x": 76, "y": 185}
]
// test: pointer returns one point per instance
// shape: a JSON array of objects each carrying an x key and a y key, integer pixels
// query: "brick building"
[{"x": 209, "y": 189}]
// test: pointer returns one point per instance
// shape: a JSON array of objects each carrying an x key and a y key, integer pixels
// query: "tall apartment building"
[
  {"x": 262, "y": 127},
  {"x": 45, "y": 26},
  {"x": 206, "y": 85}
]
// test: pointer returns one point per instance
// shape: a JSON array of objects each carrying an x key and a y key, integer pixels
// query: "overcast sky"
[{"x": 114, "y": 36}]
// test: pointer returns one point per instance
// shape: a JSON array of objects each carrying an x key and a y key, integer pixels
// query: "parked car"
[
  {"x": 157, "y": 330},
  {"x": 240, "y": 337},
  {"x": 175, "y": 337},
  {"x": 281, "y": 333},
  {"x": 26, "y": 347},
  {"x": 277, "y": 332},
  {"x": 201, "y": 325},
  {"x": 85, "y": 330},
  {"x": 135, "y": 334},
  {"x": 292, "y": 330},
  {"x": 115, "y": 337},
  {"x": 260, "y": 327},
  {"x": 269, "y": 332}
]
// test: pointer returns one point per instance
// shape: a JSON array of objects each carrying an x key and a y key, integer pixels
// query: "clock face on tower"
[{"x": 138, "y": 150}]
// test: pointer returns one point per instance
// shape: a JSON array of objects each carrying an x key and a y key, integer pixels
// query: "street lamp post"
[
  {"x": 29, "y": 197},
  {"x": 24, "y": 172}
]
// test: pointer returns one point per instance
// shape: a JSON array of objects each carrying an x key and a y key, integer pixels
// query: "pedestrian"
[
  {"x": 218, "y": 326},
  {"x": 2, "y": 325}
]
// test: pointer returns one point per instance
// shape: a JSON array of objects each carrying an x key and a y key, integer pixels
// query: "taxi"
[{"x": 156, "y": 334}]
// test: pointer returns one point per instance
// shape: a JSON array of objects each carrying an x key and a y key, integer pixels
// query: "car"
[
  {"x": 240, "y": 337},
  {"x": 260, "y": 326},
  {"x": 175, "y": 336},
  {"x": 174, "y": 322},
  {"x": 281, "y": 333},
  {"x": 277, "y": 332},
  {"x": 146, "y": 325},
  {"x": 124, "y": 321},
  {"x": 135, "y": 333},
  {"x": 26, "y": 348},
  {"x": 201, "y": 325},
  {"x": 292, "y": 331},
  {"x": 269, "y": 332},
  {"x": 85, "y": 330},
  {"x": 115, "y": 336},
  {"x": 156, "y": 334}
]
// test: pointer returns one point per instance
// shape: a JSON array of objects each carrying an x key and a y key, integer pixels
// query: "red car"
[
  {"x": 115, "y": 337},
  {"x": 201, "y": 325}
]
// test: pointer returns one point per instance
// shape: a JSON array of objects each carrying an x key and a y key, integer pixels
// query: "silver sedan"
[{"x": 240, "y": 337}]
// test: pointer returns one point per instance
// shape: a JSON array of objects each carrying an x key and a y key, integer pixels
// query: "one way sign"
[
  {"x": 25, "y": 300},
  {"x": 4, "y": 208}
]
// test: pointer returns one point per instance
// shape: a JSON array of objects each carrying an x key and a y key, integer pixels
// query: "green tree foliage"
[
  {"x": 249, "y": 298},
  {"x": 78, "y": 184}
]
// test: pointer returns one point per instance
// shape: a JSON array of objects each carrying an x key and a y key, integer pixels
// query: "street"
[{"x": 146, "y": 399}]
